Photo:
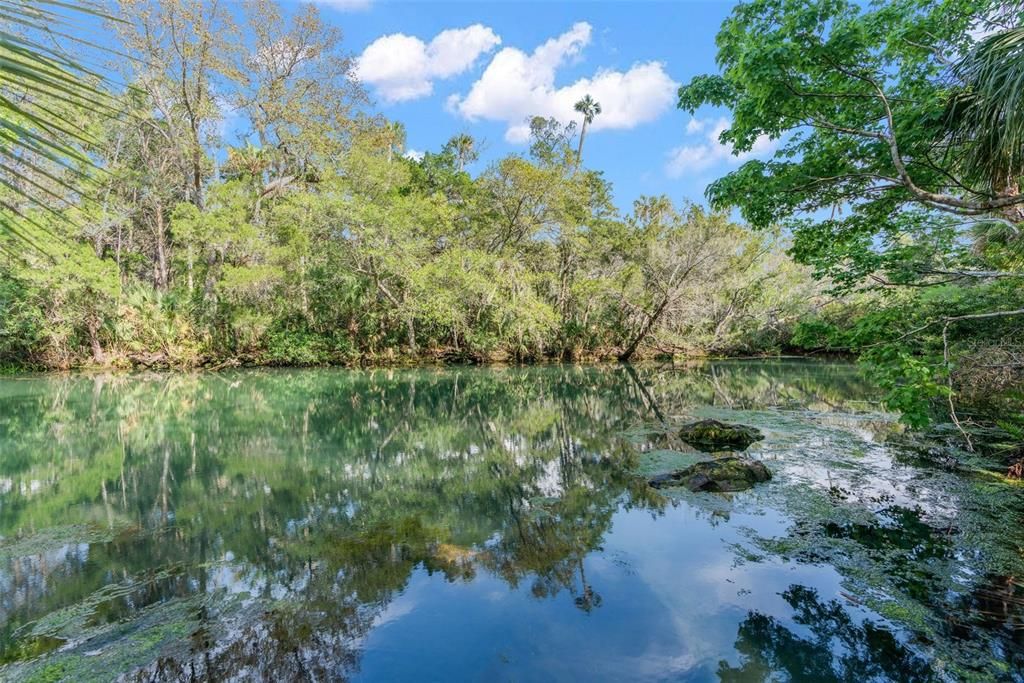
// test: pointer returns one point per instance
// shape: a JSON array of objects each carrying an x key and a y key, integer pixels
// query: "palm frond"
[
  {"x": 45, "y": 96},
  {"x": 986, "y": 116}
]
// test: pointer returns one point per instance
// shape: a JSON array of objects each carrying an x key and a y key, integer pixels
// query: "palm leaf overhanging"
[
  {"x": 986, "y": 117},
  {"x": 45, "y": 95}
]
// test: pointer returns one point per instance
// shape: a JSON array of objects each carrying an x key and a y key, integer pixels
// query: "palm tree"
[
  {"x": 393, "y": 138},
  {"x": 985, "y": 116},
  {"x": 43, "y": 91},
  {"x": 463, "y": 146},
  {"x": 590, "y": 108}
]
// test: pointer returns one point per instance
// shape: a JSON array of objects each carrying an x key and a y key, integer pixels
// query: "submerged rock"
[
  {"x": 712, "y": 435},
  {"x": 724, "y": 474}
]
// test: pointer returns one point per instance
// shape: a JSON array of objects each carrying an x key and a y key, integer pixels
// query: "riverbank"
[{"x": 394, "y": 358}]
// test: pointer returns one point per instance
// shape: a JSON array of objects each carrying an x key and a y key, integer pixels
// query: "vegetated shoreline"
[{"x": 435, "y": 358}]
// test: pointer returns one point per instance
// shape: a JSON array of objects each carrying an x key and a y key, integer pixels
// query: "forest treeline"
[
  {"x": 239, "y": 200},
  {"x": 252, "y": 207}
]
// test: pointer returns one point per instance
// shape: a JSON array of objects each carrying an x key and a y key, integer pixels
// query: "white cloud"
[
  {"x": 695, "y": 125},
  {"x": 403, "y": 67},
  {"x": 516, "y": 85},
  {"x": 697, "y": 157},
  {"x": 345, "y": 5},
  {"x": 413, "y": 154}
]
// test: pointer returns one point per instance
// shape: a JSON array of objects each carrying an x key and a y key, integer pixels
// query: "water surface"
[{"x": 489, "y": 524}]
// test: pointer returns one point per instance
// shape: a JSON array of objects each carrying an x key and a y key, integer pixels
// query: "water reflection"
[
  {"x": 835, "y": 647},
  {"x": 296, "y": 524}
]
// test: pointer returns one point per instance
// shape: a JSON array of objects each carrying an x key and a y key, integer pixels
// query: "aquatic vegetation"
[{"x": 285, "y": 521}]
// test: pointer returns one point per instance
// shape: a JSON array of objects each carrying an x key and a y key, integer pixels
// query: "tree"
[
  {"x": 74, "y": 291},
  {"x": 859, "y": 99},
  {"x": 296, "y": 87},
  {"x": 589, "y": 108},
  {"x": 670, "y": 254},
  {"x": 145, "y": 180},
  {"x": 898, "y": 166},
  {"x": 183, "y": 64},
  {"x": 986, "y": 115},
  {"x": 463, "y": 146}
]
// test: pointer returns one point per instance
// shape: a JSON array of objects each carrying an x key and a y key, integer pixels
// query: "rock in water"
[
  {"x": 724, "y": 474},
  {"x": 712, "y": 435}
]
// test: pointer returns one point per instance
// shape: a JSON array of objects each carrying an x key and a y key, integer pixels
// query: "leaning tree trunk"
[{"x": 644, "y": 331}]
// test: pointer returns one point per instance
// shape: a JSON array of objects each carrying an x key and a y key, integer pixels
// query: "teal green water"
[{"x": 490, "y": 524}]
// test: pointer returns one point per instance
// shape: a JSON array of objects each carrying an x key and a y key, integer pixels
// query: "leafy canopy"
[{"x": 859, "y": 99}]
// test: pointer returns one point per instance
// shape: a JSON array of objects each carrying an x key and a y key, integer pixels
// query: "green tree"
[
  {"x": 898, "y": 166},
  {"x": 463, "y": 146},
  {"x": 858, "y": 98},
  {"x": 183, "y": 64},
  {"x": 589, "y": 108}
]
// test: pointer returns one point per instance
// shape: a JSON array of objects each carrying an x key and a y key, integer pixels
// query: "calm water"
[{"x": 489, "y": 524}]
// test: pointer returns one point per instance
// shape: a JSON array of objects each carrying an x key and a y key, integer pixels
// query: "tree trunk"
[
  {"x": 93, "y": 327},
  {"x": 410, "y": 328},
  {"x": 160, "y": 272},
  {"x": 579, "y": 150},
  {"x": 644, "y": 331},
  {"x": 211, "y": 280},
  {"x": 303, "y": 290},
  {"x": 197, "y": 165},
  {"x": 117, "y": 252}
]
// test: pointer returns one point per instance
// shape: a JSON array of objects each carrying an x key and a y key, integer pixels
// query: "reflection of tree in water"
[
  {"x": 323, "y": 493},
  {"x": 837, "y": 648},
  {"x": 786, "y": 383},
  {"x": 996, "y": 606},
  {"x": 910, "y": 549},
  {"x": 923, "y": 574}
]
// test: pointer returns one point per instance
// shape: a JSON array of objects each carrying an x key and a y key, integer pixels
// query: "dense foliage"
[
  {"x": 898, "y": 172},
  {"x": 252, "y": 208},
  {"x": 247, "y": 205}
]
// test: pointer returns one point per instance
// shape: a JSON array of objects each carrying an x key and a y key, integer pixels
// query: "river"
[{"x": 491, "y": 524}]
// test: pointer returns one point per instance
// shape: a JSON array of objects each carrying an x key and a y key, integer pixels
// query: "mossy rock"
[
  {"x": 712, "y": 435},
  {"x": 724, "y": 475}
]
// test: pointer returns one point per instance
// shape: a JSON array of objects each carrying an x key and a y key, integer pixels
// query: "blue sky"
[{"x": 447, "y": 67}]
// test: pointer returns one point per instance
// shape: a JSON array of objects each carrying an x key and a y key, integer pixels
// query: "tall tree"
[
  {"x": 295, "y": 88},
  {"x": 463, "y": 146},
  {"x": 183, "y": 50},
  {"x": 589, "y": 108}
]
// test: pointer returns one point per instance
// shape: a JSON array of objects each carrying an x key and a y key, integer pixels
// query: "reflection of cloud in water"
[{"x": 478, "y": 522}]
